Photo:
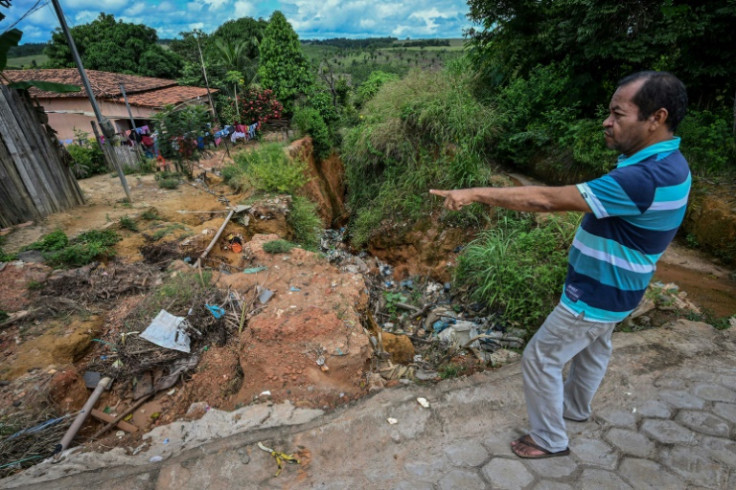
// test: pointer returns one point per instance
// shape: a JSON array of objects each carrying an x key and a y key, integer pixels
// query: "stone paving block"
[
  {"x": 467, "y": 454},
  {"x": 646, "y": 474},
  {"x": 714, "y": 393},
  {"x": 694, "y": 467},
  {"x": 630, "y": 442},
  {"x": 410, "y": 485},
  {"x": 667, "y": 432},
  {"x": 681, "y": 399},
  {"x": 507, "y": 474},
  {"x": 602, "y": 480},
  {"x": 672, "y": 383},
  {"x": 499, "y": 442},
  {"x": 422, "y": 470},
  {"x": 618, "y": 418},
  {"x": 461, "y": 478},
  {"x": 725, "y": 410},
  {"x": 723, "y": 450},
  {"x": 703, "y": 422},
  {"x": 553, "y": 467},
  {"x": 551, "y": 485},
  {"x": 654, "y": 408},
  {"x": 594, "y": 452}
]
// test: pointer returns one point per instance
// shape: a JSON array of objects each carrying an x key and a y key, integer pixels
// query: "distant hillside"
[{"x": 28, "y": 49}]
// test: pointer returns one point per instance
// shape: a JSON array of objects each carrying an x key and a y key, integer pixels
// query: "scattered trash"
[
  {"x": 254, "y": 270},
  {"x": 167, "y": 330},
  {"x": 166, "y": 441},
  {"x": 423, "y": 402},
  {"x": 265, "y": 393},
  {"x": 156, "y": 459},
  {"x": 120, "y": 434},
  {"x": 392, "y": 421},
  {"x": 294, "y": 289},
  {"x": 91, "y": 379},
  {"x": 321, "y": 361},
  {"x": 265, "y": 295},
  {"x": 217, "y": 311},
  {"x": 280, "y": 457}
]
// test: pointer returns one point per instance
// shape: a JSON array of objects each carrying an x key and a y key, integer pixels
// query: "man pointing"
[{"x": 632, "y": 214}]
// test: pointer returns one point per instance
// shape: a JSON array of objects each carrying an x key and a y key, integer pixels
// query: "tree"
[
  {"x": 283, "y": 67},
  {"x": 246, "y": 30},
  {"x": 602, "y": 40},
  {"x": 121, "y": 47}
]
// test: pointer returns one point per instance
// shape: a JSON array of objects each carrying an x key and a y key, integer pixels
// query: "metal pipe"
[{"x": 82, "y": 416}]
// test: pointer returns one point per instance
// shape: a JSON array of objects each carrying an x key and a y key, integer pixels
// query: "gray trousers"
[{"x": 563, "y": 337}]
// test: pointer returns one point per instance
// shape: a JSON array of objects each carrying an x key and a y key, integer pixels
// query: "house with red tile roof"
[{"x": 70, "y": 111}]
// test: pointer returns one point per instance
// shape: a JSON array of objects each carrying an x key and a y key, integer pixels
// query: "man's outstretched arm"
[{"x": 527, "y": 198}]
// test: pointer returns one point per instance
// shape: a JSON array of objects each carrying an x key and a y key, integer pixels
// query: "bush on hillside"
[
  {"x": 417, "y": 133},
  {"x": 266, "y": 169}
]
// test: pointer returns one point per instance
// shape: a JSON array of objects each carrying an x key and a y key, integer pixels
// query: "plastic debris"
[
  {"x": 392, "y": 421},
  {"x": 265, "y": 393},
  {"x": 294, "y": 289},
  {"x": 156, "y": 459},
  {"x": 280, "y": 457},
  {"x": 423, "y": 402},
  {"x": 265, "y": 296},
  {"x": 217, "y": 311},
  {"x": 168, "y": 331},
  {"x": 254, "y": 270}
]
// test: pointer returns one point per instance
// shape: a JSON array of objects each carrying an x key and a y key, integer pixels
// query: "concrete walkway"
[{"x": 665, "y": 418}]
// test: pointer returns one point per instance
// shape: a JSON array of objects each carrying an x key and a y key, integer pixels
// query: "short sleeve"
[{"x": 626, "y": 191}]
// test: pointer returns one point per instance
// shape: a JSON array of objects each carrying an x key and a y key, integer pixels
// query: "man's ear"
[{"x": 659, "y": 118}]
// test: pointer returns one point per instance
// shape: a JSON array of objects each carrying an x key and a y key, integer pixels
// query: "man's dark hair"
[{"x": 660, "y": 90}]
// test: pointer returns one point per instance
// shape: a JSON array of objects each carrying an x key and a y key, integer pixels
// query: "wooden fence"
[{"x": 34, "y": 180}]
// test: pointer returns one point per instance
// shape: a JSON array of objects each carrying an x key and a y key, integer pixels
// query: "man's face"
[{"x": 623, "y": 130}]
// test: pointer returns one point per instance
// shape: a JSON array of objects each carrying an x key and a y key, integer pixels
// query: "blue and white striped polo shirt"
[{"x": 637, "y": 209}]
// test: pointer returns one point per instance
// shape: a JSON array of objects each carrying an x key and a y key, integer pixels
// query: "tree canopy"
[
  {"x": 603, "y": 40},
  {"x": 283, "y": 67},
  {"x": 116, "y": 46}
]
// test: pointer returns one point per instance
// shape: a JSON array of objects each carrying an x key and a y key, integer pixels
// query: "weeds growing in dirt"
[
  {"x": 305, "y": 222},
  {"x": 128, "y": 223},
  {"x": 518, "y": 267},
  {"x": 59, "y": 251},
  {"x": 266, "y": 169},
  {"x": 150, "y": 214},
  {"x": 450, "y": 371},
  {"x": 278, "y": 246},
  {"x": 159, "y": 234},
  {"x": 168, "y": 183}
]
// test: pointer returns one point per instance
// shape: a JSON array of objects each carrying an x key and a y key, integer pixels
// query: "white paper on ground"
[{"x": 167, "y": 330}]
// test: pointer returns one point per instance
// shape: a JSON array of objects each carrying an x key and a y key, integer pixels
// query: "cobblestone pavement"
[{"x": 664, "y": 418}]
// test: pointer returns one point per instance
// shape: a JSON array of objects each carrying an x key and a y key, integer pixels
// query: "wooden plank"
[{"x": 107, "y": 418}]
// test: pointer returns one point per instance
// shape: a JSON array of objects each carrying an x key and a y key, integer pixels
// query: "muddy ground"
[{"x": 298, "y": 325}]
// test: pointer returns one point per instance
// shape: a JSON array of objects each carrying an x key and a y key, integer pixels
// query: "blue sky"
[{"x": 311, "y": 19}]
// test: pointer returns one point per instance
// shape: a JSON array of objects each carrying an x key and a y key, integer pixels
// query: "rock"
[
  {"x": 197, "y": 410},
  {"x": 399, "y": 346}
]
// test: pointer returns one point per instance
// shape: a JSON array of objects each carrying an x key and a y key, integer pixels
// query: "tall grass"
[
  {"x": 518, "y": 267},
  {"x": 266, "y": 169},
  {"x": 417, "y": 133}
]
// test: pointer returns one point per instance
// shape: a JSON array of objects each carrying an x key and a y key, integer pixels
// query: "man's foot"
[
  {"x": 525, "y": 447},
  {"x": 575, "y": 420}
]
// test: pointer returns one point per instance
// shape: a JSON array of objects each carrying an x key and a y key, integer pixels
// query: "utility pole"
[
  {"x": 209, "y": 95},
  {"x": 127, "y": 105},
  {"x": 107, "y": 130}
]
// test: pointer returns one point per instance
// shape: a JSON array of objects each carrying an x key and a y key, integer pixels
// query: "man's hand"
[{"x": 456, "y": 199}]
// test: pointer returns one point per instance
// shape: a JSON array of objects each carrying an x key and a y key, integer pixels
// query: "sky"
[{"x": 311, "y": 19}]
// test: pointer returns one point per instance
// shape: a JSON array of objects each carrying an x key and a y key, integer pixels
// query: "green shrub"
[
  {"x": 518, "y": 267},
  {"x": 89, "y": 246},
  {"x": 708, "y": 142},
  {"x": 368, "y": 89},
  {"x": 309, "y": 121},
  {"x": 150, "y": 214},
  {"x": 128, "y": 223},
  {"x": 56, "y": 240},
  {"x": 305, "y": 222},
  {"x": 5, "y": 257},
  {"x": 267, "y": 169},
  {"x": 278, "y": 246},
  {"x": 168, "y": 182},
  {"x": 88, "y": 160},
  {"x": 424, "y": 131}
]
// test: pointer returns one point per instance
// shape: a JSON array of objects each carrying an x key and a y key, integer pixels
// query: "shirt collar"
[{"x": 641, "y": 155}]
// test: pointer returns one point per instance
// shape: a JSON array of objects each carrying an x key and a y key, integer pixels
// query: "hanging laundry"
[{"x": 237, "y": 136}]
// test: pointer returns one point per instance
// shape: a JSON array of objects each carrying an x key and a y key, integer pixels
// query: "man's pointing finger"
[{"x": 440, "y": 193}]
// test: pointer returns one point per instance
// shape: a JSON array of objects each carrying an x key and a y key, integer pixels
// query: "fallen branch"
[{"x": 120, "y": 417}]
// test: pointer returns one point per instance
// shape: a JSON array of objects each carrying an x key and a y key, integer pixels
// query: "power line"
[{"x": 35, "y": 7}]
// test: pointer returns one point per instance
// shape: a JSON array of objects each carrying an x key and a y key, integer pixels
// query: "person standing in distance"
[{"x": 632, "y": 215}]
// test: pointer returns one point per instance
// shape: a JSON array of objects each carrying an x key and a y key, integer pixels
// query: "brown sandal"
[{"x": 526, "y": 441}]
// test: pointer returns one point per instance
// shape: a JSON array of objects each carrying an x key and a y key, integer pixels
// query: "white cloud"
[
  {"x": 100, "y": 5},
  {"x": 216, "y": 4},
  {"x": 136, "y": 9},
  {"x": 196, "y": 25},
  {"x": 244, "y": 9},
  {"x": 84, "y": 17}
]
